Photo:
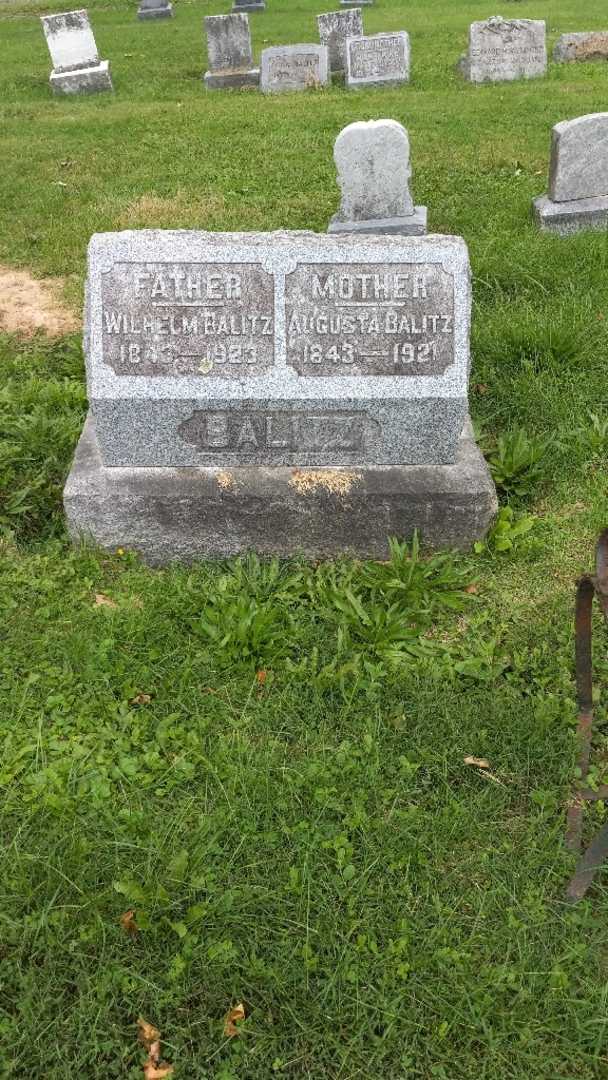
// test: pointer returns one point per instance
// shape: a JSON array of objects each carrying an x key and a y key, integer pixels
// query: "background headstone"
[
  {"x": 334, "y": 28},
  {"x": 373, "y": 164},
  {"x": 76, "y": 64},
  {"x": 293, "y": 67},
  {"x": 501, "y": 50},
  {"x": 229, "y": 52},
  {"x": 238, "y": 380},
  {"x": 154, "y": 9},
  {"x": 378, "y": 59},
  {"x": 578, "y": 176},
  {"x": 248, "y": 5},
  {"x": 582, "y": 46}
]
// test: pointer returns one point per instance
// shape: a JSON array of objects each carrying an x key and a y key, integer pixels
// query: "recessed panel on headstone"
[
  {"x": 501, "y": 50},
  {"x": 378, "y": 59},
  {"x": 293, "y": 67},
  {"x": 277, "y": 349}
]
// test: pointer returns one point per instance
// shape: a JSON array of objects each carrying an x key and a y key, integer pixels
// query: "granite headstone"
[
  {"x": 154, "y": 9},
  {"x": 373, "y": 165},
  {"x": 378, "y": 59},
  {"x": 334, "y": 28},
  {"x": 578, "y": 177},
  {"x": 501, "y": 50},
  {"x": 281, "y": 391},
  {"x": 229, "y": 52},
  {"x": 293, "y": 67},
  {"x": 248, "y": 5},
  {"x": 77, "y": 68},
  {"x": 591, "y": 45}
]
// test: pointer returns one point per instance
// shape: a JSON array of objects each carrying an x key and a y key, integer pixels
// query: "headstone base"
[
  {"x": 232, "y": 80},
  {"x": 185, "y": 514},
  {"x": 412, "y": 225},
  {"x": 253, "y": 5},
  {"x": 155, "y": 13},
  {"x": 83, "y": 80},
  {"x": 570, "y": 217}
]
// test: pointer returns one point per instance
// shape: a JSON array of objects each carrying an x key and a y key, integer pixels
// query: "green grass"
[{"x": 309, "y": 842}]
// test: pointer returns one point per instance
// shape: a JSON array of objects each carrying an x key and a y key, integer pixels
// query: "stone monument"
[
  {"x": 592, "y": 45},
  {"x": 334, "y": 28},
  {"x": 77, "y": 68},
  {"x": 378, "y": 60},
  {"x": 154, "y": 9},
  {"x": 501, "y": 50},
  {"x": 578, "y": 177},
  {"x": 373, "y": 164},
  {"x": 280, "y": 392},
  {"x": 229, "y": 52},
  {"x": 293, "y": 67},
  {"x": 248, "y": 5}
]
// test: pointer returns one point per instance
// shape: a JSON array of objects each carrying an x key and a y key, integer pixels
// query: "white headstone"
[{"x": 77, "y": 68}]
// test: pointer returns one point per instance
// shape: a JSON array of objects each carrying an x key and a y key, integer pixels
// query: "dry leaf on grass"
[
  {"x": 127, "y": 921},
  {"x": 104, "y": 601},
  {"x": 147, "y": 1033},
  {"x": 156, "y": 1072},
  {"x": 141, "y": 699},
  {"x": 479, "y": 762},
  {"x": 261, "y": 677},
  {"x": 472, "y": 588},
  {"x": 154, "y": 1069},
  {"x": 230, "y": 1028}
]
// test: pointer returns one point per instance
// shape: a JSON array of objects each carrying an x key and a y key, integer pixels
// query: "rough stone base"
[
  {"x": 184, "y": 514},
  {"x": 232, "y": 80},
  {"x": 570, "y": 217},
  {"x": 155, "y": 13},
  {"x": 82, "y": 81},
  {"x": 413, "y": 225}
]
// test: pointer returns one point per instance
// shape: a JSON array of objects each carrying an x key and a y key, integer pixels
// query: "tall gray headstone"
[
  {"x": 293, "y": 67},
  {"x": 334, "y": 28},
  {"x": 77, "y": 68},
  {"x": 282, "y": 391},
  {"x": 373, "y": 165},
  {"x": 590, "y": 45},
  {"x": 154, "y": 9},
  {"x": 379, "y": 59},
  {"x": 229, "y": 52},
  {"x": 578, "y": 177},
  {"x": 501, "y": 50}
]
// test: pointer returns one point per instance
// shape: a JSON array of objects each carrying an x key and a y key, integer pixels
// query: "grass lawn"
[{"x": 266, "y": 762}]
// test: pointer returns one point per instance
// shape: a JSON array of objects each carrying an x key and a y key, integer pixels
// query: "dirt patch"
[
  {"x": 334, "y": 481},
  {"x": 154, "y": 212},
  {"x": 29, "y": 304}
]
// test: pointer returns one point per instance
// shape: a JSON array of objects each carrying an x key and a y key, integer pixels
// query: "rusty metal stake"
[{"x": 597, "y": 852}]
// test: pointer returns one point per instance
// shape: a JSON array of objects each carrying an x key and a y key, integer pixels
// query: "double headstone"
[
  {"x": 377, "y": 60},
  {"x": 592, "y": 45},
  {"x": 77, "y": 68},
  {"x": 293, "y": 67},
  {"x": 373, "y": 164},
  {"x": 334, "y": 29},
  {"x": 578, "y": 177},
  {"x": 282, "y": 391},
  {"x": 229, "y": 52},
  {"x": 154, "y": 9},
  {"x": 501, "y": 50}
]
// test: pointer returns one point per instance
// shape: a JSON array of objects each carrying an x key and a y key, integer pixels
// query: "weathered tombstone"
[
  {"x": 592, "y": 45},
  {"x": 248, "y": 5},
  {"x": 373, "y": 164},
  {"x": 378, "y": 59},
  {"x": 77, "y": 68},
  {"x": 277, "y": 391},
  {"x": 293, "y": 67},
  {"x": 334, "y": 28},
  {"x": 154, "y": 9},
  {"x": 229, "y": 52},
  {"x": 358, "y": 3},
  {"x": 578, "y": 177},
  {"x": 501, "y": 50}
]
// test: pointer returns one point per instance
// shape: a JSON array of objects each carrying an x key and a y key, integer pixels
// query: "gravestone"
[
  {"x": 357, "y": 3},
  {"x": 501, "y": 50},
  {"x": 582, "y": 46},
  {"x": 578, "y": 177},
  {"x": 378, "y": 60},
  {"x": 77, "y": 68},
  {"x": 277, "y": 391},
  {"x": 248, "y": 5},
  {"x": 154, "y": 9},
  {"x": 373, "y": 164},
  {"x": 334, "y": 28},
  {"x": 229, "y": 52},
  {"x": 293, "y": 67}
]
